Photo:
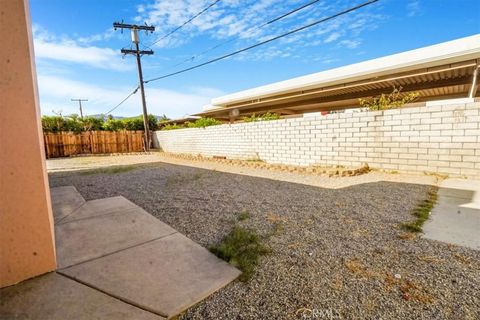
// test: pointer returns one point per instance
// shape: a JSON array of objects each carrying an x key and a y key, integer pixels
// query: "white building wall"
[{"x": 440, "y": 138}]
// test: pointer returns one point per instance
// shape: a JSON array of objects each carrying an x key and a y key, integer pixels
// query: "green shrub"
[
  {"x": 91, "y": 123},
  {"x": 242, "y": 248},
  {"x": 163, "y": 118},
  {"x": 203, "y": 122},
  {"x": 52, "y": 124},
  {"x": 74, "y": 123},
  {"x": 395, "y": 99},
  {"x": 172, "y": 127},
  {"x": 200, "y": 123},
  {"x": 244, "y": 215},
  {"x": 135, "y": 123},
  {"x": 58, "y": 123},
  {"x": 114, "y": 125},
  {"x": 264, "y": 117}
]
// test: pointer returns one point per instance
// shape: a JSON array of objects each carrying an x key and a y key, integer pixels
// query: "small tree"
[{"x": 395, "y": 99}]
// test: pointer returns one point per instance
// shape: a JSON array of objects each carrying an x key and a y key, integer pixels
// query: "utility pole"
[
  {"x": 138, "y": 53},
  {"x": 80, "y": 104}
]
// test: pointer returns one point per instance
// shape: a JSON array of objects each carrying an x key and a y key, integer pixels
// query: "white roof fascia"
[{"x": 443, "y": 53}]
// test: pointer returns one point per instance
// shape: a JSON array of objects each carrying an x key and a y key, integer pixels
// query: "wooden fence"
[{"x": 64, "y": 144}]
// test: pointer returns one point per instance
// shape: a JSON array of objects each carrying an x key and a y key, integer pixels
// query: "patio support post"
[
  {"x": 473, "y": 88},
  {"x": 27, "y": 244}
]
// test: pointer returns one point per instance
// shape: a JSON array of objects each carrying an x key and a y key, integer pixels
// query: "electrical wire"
[
  {"x": 185, "y": 23},
  {"x": 119, "y": 104},
  {"x": 195, "y": 56},
  {"x": 264, "y": 42}
]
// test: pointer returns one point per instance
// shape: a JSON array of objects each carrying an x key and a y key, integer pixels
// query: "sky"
[{"x": 77, "y": 52}]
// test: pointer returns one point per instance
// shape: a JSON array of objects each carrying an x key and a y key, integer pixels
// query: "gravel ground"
[
  {"x": 336, "y": 253},
  {"x": 103, "y": 161}
]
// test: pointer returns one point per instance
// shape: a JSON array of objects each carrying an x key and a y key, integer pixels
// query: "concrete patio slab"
[
  {"x": 456, "y": 193},
  {"x": 65, "y": 200},
  {"x": 165, "y": 276},
  {"x": 452, "y": 222},
  {"x": 116, "y": 248},
  {"x": 55, "y": 297},
  {"x": 95, "y": 236},
  {"x": 463, "y": 185},
  {"x": 100, "y": 207}
]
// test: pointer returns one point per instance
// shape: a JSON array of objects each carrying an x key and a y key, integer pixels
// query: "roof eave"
[{"x": 443, "y": 53}]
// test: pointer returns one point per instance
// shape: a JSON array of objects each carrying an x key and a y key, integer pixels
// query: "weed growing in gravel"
[
  {"x": 109, "y": 170},
  {"x": 407, "y": 236},
  {"x": 278, "y": 224},
  {"x": 278, "y": 228},
  {"x": 422, "y": 212},
  {"x": 241, "y": 248},
  {"x": 179, "y": 179},
  {"x": 244, "y": 215}
]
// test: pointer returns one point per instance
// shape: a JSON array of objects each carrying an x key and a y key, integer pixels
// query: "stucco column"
[{"x": 27, "y": 244}]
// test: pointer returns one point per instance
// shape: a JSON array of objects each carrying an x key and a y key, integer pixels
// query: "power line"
[
  {"x": 290, "y": 12},
  {"x": 251, "y": 28},
  {"x": 119, "y": 104},
  {"x": 264, "y": 42},
  {"x": 185, "y": 23}
]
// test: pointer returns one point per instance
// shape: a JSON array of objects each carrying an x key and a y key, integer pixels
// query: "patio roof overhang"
[{"x": 437, "y": 72}]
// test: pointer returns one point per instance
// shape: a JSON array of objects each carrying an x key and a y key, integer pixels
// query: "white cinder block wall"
[{"x": 442, "y": 138}]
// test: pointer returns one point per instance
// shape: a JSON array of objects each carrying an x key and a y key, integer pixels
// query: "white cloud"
[
  {"x": 223, "y": 20},
  {"x": 267, "y": 54},
  {"x": 234, "y": 20},
  {"x": 240, "y": 21},
  {"x": 326, "y": 60},
  {"x": 108, "y": 34},
  {"x": 176, "y": 104},
  {"x": 413, "y": 8},
  {"x": 332, "y": 37},
  {"x": 55, "y": 94},
  {"x": 104, "y": 58},
  {"x": 48, "y": 46},
  {"x": 350, "y": 44}
]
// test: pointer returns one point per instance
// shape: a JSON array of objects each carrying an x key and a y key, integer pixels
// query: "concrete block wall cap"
[{"x": 450, "y": 101}]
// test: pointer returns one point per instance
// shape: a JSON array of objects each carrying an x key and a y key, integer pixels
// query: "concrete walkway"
[
  {"x": 115, "y": 261},
  {"x": 455, "y": 219}
]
